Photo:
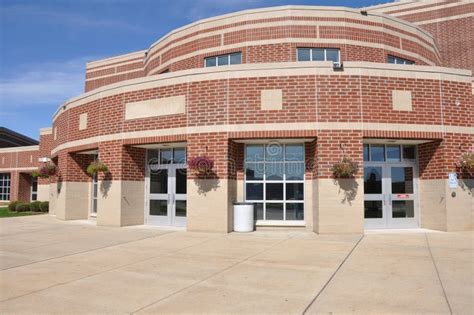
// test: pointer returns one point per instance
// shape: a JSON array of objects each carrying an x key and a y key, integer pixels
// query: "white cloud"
[{"x": 42, "y": 85}]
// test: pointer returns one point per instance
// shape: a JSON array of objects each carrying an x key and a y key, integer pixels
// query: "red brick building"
[{"x": 276, "y": 97}]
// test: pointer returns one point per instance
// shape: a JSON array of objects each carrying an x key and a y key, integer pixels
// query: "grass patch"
[{"x": 5, "y": 213}]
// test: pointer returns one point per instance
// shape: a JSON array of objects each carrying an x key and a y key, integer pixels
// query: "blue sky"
[{"x": 44, "y": 45}]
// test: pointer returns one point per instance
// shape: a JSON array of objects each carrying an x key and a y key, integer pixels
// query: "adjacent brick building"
[{"x": 276, "y": 97}]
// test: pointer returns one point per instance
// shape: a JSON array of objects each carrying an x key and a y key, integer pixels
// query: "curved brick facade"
[
  {"x": 131, "y": 106},
  {"x": 272, "y": 35}
]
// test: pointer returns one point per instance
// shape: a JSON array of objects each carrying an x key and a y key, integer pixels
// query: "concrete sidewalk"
[{"x": 50, "y": 266}]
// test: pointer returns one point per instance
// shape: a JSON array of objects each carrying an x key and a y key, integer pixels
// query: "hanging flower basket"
[
  {"x": 346, "y": 168},
  {"x": 201, "y": 164},
  {"x": 97, "y": 167},
  {"x": 46, "y": 170},
  {"x": 466, "y": 162}
]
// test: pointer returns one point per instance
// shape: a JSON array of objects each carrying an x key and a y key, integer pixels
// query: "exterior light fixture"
[{"x": 338, "y": 66}]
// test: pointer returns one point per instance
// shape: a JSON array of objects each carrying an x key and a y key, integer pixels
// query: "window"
[
  {"x": 319, "y": 54},
  {"x": 389, "y": 152},
  {"x": 274, "y": 180},
  {"x": 34, "y": 188},
  {"x": 223, "y": 60},
  {"x": 4, "y": 186},
  {"x": 399, "y": 61},
  {"x": 166, "y": 156}
]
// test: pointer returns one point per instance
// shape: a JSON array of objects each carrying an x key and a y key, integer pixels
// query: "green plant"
[
  {"x": 44, "y": 206},
  {"x": 12, "y": 205},
  {"x": 35, "y": 206},
  {"x": 37, "y": 174},
  {"x": 97, "y": 166},
  {"x": 22, "y": 207},
  {"x": 346, "y": 168}
]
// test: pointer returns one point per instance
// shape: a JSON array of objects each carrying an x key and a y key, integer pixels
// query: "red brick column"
[
  {"x": 339, "y": 206},
  {"x": 24, "y": 186},
  {"x": 121, "y": 191},
  {"x": 14, "y": 185}
]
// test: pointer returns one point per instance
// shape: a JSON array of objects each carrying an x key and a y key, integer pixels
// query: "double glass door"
[
  {"x": 390, "y": 195},
  {"x": 166, "y": 189}
]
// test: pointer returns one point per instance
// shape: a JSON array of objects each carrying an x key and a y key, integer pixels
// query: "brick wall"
[
  {"x": 333, "y": 145},
  {"x": 171, "y": 54},
  {"x": 452, "y": 30}
]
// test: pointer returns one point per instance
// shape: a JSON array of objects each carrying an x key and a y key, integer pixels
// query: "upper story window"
[
  {"x": 399, "y": 61},
  {"x": 319, "y": 54},
  {"x": 223, "y": 60}
]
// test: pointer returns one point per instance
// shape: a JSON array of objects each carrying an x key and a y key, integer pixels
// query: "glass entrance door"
[
  {"x": 390, "y": 186},
  {"x": 166, "y": 188},
  {"x": 390, "y": 196}
]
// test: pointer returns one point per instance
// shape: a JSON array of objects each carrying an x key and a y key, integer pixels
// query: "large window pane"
[
  {"x": 223, "y": 60},
  {"x": 377, "y": 152},
  {"x": 254, "y": 152},
  {"x": 294, "y": 171},
  {"x": 294, "y": 191},
  {"x": 181, "y": 181},
  {"x": 274, "y": 191},
  {"x": 294, "y": 152},
  {"x": 402, "y": 180},
  {"x": 304, "y": 54},
  {"x": 211, "y": 62},
  {"x": 274, "y": 152},
  {"x": 236, "y": 58},
  {"x": 332, "y": 55},
  {"x": 393, "y": 153},
  {"x": 274, "y": 211},
  {"x": 179, "y": 156},
  {"x": 409, "y": 152},
  {"x": 254, "y": 191},
  {"x": 279, "y": 168},
  {"x": 166, "y": 156},
  {"x": 403, "y": 209},
  {"x": 295, "y": 211},
  {"x": 373, "y": 209},
  {"x": 159, "y": 182},
  {"x": 158, "y": 207},
  {"x": 180, "y": 208},
  {"x": 318, "y": 54},
  {"x": 366, "y": 152},
  {"x": 254, "y": 171},
  {"x": 372, "y": 180},
  {"x": 258, "y": 211},
  {"x": 153, "y": 157},
  {"x": 274, "y": 171}
]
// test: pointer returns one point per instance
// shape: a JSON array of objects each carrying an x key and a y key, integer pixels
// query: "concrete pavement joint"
[
  {"x": 210, "y": 276},
  {"x": 437, "y": 273},
  {"x": 107, "y": 270},
  {"x": 85, "y": 251},
  {"x": 333, "y": 275}
]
